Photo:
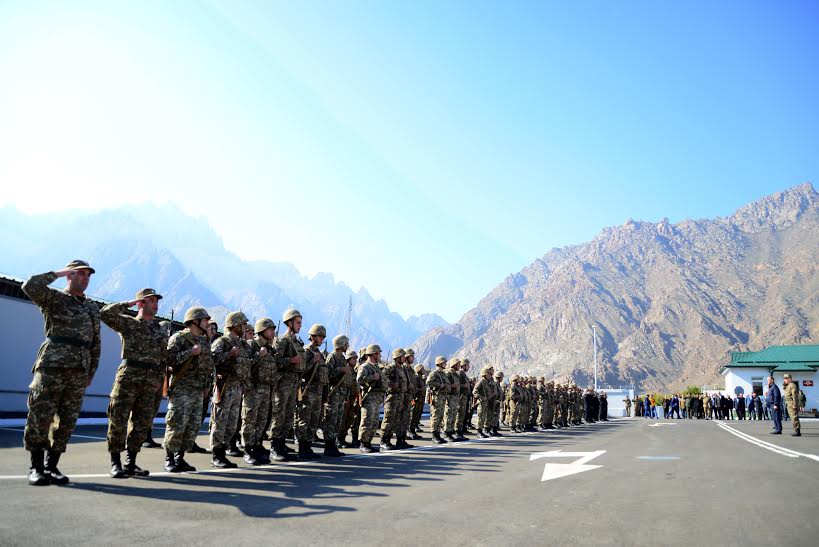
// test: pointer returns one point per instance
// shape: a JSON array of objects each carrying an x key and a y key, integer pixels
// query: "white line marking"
[
  {"x": 659, "y": 424},
  {"x": 556, "y": 470},
  {"x": 763, "y": 444},
  {"x": 73, "y": 434}
]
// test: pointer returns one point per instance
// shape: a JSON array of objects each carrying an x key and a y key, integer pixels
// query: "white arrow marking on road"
[
  {"x": 658, "y": 425},
  {"x": 557, "y": 470}
]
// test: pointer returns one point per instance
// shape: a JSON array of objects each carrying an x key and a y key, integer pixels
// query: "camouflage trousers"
[
  {"x": 334, "y": 413},
  {"x": 369, "y": 416},
  {"x": 132, "y": 408},
  {"x": 308, "y": 414},
  {"x": 451, "y": 413},
  {"x": 483, "y": 413},
  {"x": 224, "y": 416},
  {"x": 406, "y": 415},
  {"x": 437, "y": 409},
  {"x": 417, "y": 411},
  {"x": 352, "y": 416},
  {"x": 550, "y": 414},
  {"x": 505, "y": 411},
  {"x": 793, "y": 412},
  {"x": 54, "y": 403},
  {"x": 495, "y": 419},
  {"x": 392, "y": 414},
  {"x": 283, "y": 406},
  {"x": 255, "y": 411},
  {"x": 183, "y": 419},
  {"x": 514, "y": 413},
  {"x": 460, "y": 418}
]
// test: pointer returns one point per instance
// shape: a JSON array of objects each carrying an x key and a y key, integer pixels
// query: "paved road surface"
[{"x": 692, "y": 483}]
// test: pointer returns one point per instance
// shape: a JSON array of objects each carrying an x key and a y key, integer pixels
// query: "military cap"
[
  {"x": 787, "y": 376},
  {"x": 465, "y": 361},
  {"x": 145, "y": 293},
  {"x": 455, "y": 361},
  {"x": 317, "y": 330},
  {"x": 372, "y": 349},
  {"x": 234, "y": 319},
  {"x": 79, "y": 265},
  {"x": 397, "y": 352},
  {"x": 515, "y": 377},
  {"x": 351, "y": 354},
  {"x": 499, "y": 374},
  {"x": 362, "y": 350},
  {"x": 485, "y": 369},
  {"x": 263, "y": 324},
  {"x": 290, "y": 314},
  {"x": 440, "y": 360},
  {"x": 409, "y": 351},
  {"x": 418, "y": 368},
  {"x": 341, "y": 341},
  {"x": 196, "y": 314}
]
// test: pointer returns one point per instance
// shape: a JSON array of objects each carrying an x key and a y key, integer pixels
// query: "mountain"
[
  {"x": 669, "y": 301},
  {"x": 184, "y": 259}
]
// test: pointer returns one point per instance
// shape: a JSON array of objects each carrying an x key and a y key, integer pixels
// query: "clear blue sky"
[{"x": 424, "y": 150}]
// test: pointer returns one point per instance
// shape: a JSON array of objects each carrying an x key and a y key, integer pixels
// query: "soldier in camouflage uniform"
[
  {"x": 453, "y": 401},
  {"x": 352, "y": 408},
  {"x": 232, "y": 361},
  {"x": 793, "y": 401},
  {"x": 139, "y": 378},
  {"x": 550, "y": 405},
  {"x": 372, "y": 386},
  {"x": 396, "y": 387},
  {"x": 309, "y": 402},
  {"x": 290, "y": 360},
  {"x": 516, "y": 396},
  {"x": 497, "y": 382},
  {"x": 463, "y": 399},
  {"x": 190, "y": 365},
  {"x": 439, "y": 388},
  {"x": 65, "y": 365},
  {"x": 541, "y": 403},
  {"x": 256, "y": 402},
  {"x": 409, "y": 397},
  {"x": 484, "y": 394},
  {"x": 418, "y": 401},
  {"x": 340, "y": 373}
]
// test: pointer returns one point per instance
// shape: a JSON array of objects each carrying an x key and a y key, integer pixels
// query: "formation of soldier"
[{"x": 262, "y": 385}]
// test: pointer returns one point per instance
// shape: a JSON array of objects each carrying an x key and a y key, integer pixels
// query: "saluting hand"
[
  {"x": 134, "y": 302},
  {"x": 63, "y": 272}
]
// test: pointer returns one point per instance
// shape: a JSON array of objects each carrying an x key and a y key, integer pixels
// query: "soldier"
[
  {"x": 189, "y": 365},
  {"x": 395, "y": 394},
  {"x": 232, "y": 361},
  {"x": 352, "y": 408},
  {"x": 149, "y": 441},
  {"x": 256, "y": 402},
  {"x": 418, "y": 401},
  {"x": 138, "y": 379},
  {"x": 453, "y": 401},
  {"x": 439, "y": 388},
  {"x": 409, "y": 397},
  {"x": 463, "y": 400},
  {"x": 627, "y": 402},
  {"x": 65, "y": 365},
  {"x": 372, "y": 395},
  {"x": 542, "y": 395},
  {"x": 309, "y": 400},
  {"x": 290, "y": 361},
  {"x": 484, "y": 394},
  {"x": 340, "y": 373},
  {"x": 515, "y": 396},
  {"x": 497, "y": 407},
  {"x": 793, "y": 401},
  {"x": 211, "y": 334}
]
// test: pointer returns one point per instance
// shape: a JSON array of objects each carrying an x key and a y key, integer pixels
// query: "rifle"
[
  {"x": 300, "y": 392},
  {"x": 165, "y": 387},
  {"x": 218, "y": 387}
]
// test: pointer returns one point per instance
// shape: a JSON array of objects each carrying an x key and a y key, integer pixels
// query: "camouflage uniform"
[
  {"x": 256, "y": 403},
  {"x": 284, "y": 398},
  {"x": 453, "y": 400},
  {"x": 793, "y": 399},
  {"x": 144, "y": 348},
  {"x": 484, "y": 395},
  {"x": 313, "y": 382},
  {"x": 339, "y": 393},
  {"x": 515, "y": 399},
  {"x": 235, "y": 375},
  {"x": 409, "y": 398},
  {"x": 184, "y": 415},
  {"x": 396, "y": 381},
  {"x": 372, "y": 395},
  {"x": 418, "y": 398},
  {"x": 463, "y": 400},
  {"x": 497, "y": 386},
  {"x": 438, "y": 385},
  {"x": 352, "y": 408},
  {"x": 66, "y": 363}
]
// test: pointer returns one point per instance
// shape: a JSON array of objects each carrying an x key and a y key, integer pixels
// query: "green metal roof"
[
  {"x": 739, "y": 355},
  {"x": 750, "y": 365},
  {"x": 784, "y": 354},
  {"x": 796, "y": 367}
]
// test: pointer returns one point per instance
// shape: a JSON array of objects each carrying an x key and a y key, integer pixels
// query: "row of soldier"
[{"x": 269, "y": 382}]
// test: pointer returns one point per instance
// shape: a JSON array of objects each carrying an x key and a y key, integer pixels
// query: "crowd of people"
[{"x": 261, "y": 385}]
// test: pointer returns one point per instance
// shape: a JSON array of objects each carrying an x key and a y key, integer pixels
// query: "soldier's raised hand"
[
  {"x": 63, "y": 272},
  {"x": 134, "y": 302}
]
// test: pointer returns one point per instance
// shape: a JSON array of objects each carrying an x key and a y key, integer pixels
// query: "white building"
[{"x": 748, "y": 371}]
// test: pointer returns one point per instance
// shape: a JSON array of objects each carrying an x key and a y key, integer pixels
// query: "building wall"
[{"x": 742, "y": 377}]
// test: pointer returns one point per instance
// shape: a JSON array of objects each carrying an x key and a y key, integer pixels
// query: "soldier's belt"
[
  {"x": 147, "y": 365},
  {"x": 69, "y": 341}
]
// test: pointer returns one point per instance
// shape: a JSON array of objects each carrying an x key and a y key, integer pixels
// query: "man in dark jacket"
[
  {"x": 739, "y": 404},
  {"x": 775, "y": 402}
]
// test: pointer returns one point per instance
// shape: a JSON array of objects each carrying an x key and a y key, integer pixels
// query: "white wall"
[{"x": 742, "y": 377}]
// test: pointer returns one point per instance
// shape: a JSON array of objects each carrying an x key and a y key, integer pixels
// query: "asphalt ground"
[{"x": 633, "y": 482}]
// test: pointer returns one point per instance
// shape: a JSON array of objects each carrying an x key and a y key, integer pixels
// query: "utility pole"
[
  {"x": 594, "y": 342},
  {"x": 349, "y": 315}
]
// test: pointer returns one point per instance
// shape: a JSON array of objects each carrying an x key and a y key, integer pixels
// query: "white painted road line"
[
  {"x": 766, "y": 445},
  {"x": 73, "y": 434},
  {"x": 557, "y": 470}
]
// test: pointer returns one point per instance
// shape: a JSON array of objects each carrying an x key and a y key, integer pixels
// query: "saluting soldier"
[
  {"x": 65, "y": 365},
  {"x": 231, "y": 359},
  {"x": 340, "y": 372},
  {"x": 313, "y": 383},
  {"x": 190, "y": 366},
  {"x": 372, "y": 385},
  {"x": 139, "y": 378},
  {"x": 627, "y": 402},
  {"x": 290, "y": 361}
]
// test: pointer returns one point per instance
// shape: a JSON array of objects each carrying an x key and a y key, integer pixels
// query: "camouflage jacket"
[
  {"x": 483, "y": 390},
  {"x": 412, "y": 380},
  {"x": 366, "y": 378},
  {"x": 231, "y": 369},
  {"x": 315, "y": 368},
  {"x": 792, "y": 394},
  {"x": 288, "y": 346},
  {"x": 465, "y": 383},
  {"x": 336, "y": 363},
  {"x": 454, "y": 382},
  {"x": 144, "y": 343},
  {"x": 263, "y": 370},
  {"x": 438, "y": 381},
  {"x": 72, "y": 326},
  {"x": 198, "y": 371}
]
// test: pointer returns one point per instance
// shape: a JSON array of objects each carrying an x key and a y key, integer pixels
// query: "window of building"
[{"x": 756, "y": 382}]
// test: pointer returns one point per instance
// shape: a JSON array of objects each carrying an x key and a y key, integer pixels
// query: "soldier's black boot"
[
  {"x": 234, "y": 449},
  {"x": 403, "y": 442},
  {"x": 436, "y": 438},
  {"x": 796, "y": 433},
  {"x": 196, "y": 449},
  {"x": 341, "y": 442},
  {"x": 496, "y": 432},
  {"x": 331, "y": 450},
  {"x": 415, "y": 436},
  {"x": 306, "y": 452},
  {"x": 116, "y": 467},
  {"x": 170, "y": 462},
  {"x": 261, "y": 454},
  {"x": 461, "y": 436},
  {"x": 51, "y": 459},
  {"x": 149, "y": 442},
  {"x": 131, "y": 468},
  {"x": 37, "y": 475},
  {"x": 279, "y": 452},
  {"x": 183, "y": 466},
  {"x": 386, "y": 445},
  {"x": 219, "y": 460},
  {"x": 367, "y": 448},
  {"x": 249, "y": 458},
  {"x": 355, "y": 443},
  {"x": 481, "y": 434}
]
